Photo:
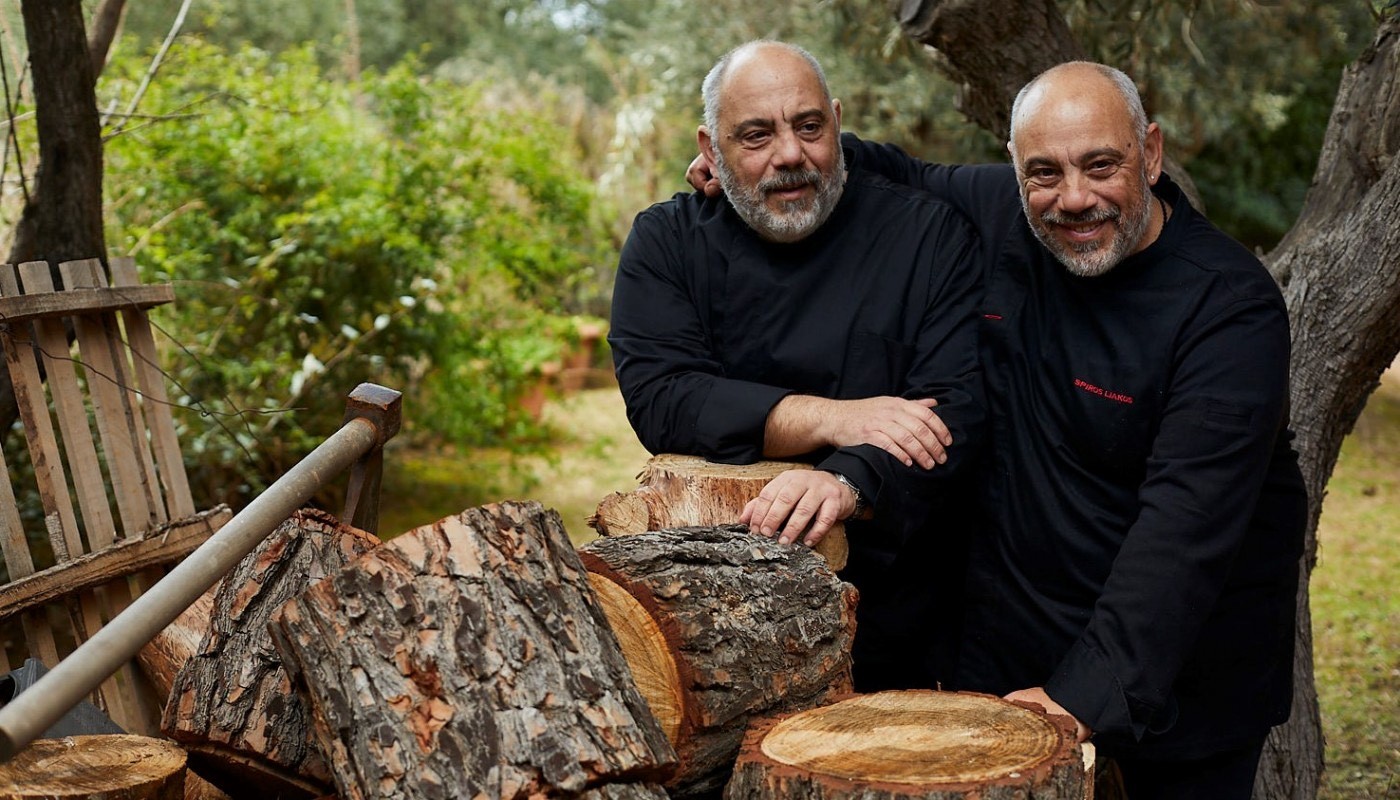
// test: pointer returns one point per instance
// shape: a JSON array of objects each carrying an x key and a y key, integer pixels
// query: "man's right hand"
[
  {"x": 701, "y": 175},
  {"x": 909, "y": 430}
]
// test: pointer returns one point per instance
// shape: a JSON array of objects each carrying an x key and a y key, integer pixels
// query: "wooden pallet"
[{"x": 117, "y": 505}]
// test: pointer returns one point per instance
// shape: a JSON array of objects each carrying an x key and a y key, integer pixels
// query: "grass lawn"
[
  {"x": 1356, "y": 607},
  {"x": 1355, "y": 588}
]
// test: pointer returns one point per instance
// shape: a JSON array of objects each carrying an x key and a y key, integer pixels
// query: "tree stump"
[
  {"x": 721, "y": 626},
  {"x": 115, "y": 767},
  {"x": 469, "y": 658},
  {"x": 232, "y": 706},
  {"x": 903, "y": 745},
  {"x": 683, "y": 491}
]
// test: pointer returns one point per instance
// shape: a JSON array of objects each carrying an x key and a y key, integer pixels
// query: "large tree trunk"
[
  {"x": 1338, "y": 267},
  {"x": 62, "y": 218}
]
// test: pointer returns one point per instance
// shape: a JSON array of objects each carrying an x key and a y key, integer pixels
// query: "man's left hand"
[
  {"x": 1038, "y": 696},
  {"x": 794, "y": 499}
]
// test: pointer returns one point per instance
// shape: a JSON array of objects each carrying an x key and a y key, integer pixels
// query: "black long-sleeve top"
[
  {"x": 712, "y": 326},
  {"x": 1146, "y": 510}
]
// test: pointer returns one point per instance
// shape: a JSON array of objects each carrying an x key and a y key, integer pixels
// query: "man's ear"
[
  {"x": 836, "y": 109},
  {"x": 1153, "y": 151},
  {"x": 707, "y": 145}
]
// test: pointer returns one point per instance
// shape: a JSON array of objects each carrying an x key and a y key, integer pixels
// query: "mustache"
[
  {"x": 1084, "y": 218},
  {"x": 790, "y": 180}
]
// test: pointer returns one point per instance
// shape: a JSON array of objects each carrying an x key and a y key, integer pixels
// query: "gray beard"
[
  {"x": 1093, "y": 259},
  {"x": 796, "y": 219}
]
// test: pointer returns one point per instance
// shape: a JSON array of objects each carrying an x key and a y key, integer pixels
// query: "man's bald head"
[
  {"x": 762, "y": 51},
  {"x": 1086, "y": 159},
  {"x": 1073, "y": 82}
]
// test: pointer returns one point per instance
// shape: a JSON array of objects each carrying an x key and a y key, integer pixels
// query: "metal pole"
[{"x": 33, "y": 711}]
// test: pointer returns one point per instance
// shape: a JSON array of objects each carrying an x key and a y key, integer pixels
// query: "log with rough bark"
[
  {"x": 469, "y": 658},
  {"x": 115, "y": 767},
  {"x": 163, "y": 657},
  {"x": 721, "y": 626},
  {"x": 232, "y": 706},
  {"x": 683, "y": 491},
  {"x": 903, "y": 745}
]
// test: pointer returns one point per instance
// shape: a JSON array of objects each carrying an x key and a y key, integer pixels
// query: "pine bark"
[
  {"x": 232, "y": 706},
  {"x": 469, "y": 658},
  {"x": 685, "y": 491},
  {"x": 909, "y": 745},
  {"x": 1337, "y": 266},
  {"x": 113, "y": 767},
  {"x": 725, "y": 626}
]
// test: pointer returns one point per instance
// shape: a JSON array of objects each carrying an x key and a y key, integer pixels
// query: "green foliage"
[
  {"x": 1243, "y": 91},
  {"x": 413, "y": 233}
]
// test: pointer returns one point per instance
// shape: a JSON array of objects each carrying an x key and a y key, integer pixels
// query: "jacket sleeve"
[
  {"x": 945, "y": 366},
  {"x": 678, "y": 398},
  {"x": 1222, "y": 416}
]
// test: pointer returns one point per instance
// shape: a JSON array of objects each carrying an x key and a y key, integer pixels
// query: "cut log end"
[
  {"x": 648, "y": 656},
  {"x": 682, "y": 491},
  {"x": 910, "y": 744},
  {"x": 121, "y": 767}
]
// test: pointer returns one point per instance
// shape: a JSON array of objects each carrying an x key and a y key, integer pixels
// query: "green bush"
[{"x": 406, "y": 231}]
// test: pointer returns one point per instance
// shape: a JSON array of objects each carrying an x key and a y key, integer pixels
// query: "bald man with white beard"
[{"x": 811, "y": 311}]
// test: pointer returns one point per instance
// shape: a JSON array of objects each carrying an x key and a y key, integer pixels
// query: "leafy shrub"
[{"x": 404, "y": 231}]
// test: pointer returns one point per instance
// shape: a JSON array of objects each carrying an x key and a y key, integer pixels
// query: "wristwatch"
[{"x": 855, "y": 490}]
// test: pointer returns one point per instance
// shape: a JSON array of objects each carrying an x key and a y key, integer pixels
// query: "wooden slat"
[
  {"x": 107, "y": 399},
  {"x": 24, "y": 308},
  {"x": 59, "y": 518},
  {"x": 131, "y": 405},
  {"x": 37, "y": 634},
  {"x": 162, "y": 547},
  {"x": 119, "y": 692},
  {"x": 165, "y": 442},
  {"x": 83, "y": 465}
]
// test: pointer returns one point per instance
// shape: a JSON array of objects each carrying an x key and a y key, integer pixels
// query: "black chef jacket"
[
  {"x": 712, "y": 326},
  {"x": 1145, "y": 507}
]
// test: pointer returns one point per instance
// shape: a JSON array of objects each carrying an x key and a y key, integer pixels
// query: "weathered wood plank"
[
  {"x": 107, "y": 400},
  {"x": 15, "y": 548},
  {"x": 25, "y": 308},
  {"x": 59, "y": 519},
  {"x": 131, "y": 403},
  {"x": 85, "y": 616},
  {"x": 160, "y": 547},
  {"x": 166, "y": 443},
  {"x": 83, "y": 463}
]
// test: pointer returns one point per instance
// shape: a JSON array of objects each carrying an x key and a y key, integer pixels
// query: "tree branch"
[{"x": 106, "y": 22}]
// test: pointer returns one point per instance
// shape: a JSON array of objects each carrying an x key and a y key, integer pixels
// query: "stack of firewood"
[{"x": 484, "y": 656}]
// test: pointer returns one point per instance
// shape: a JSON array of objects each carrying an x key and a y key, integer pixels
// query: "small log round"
[
  {"x": 902, "y": 745},
  {"x": 681, "y": 491},
  {"x": 720, "y": 626},
  {"x": 115, "y": 767}
]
